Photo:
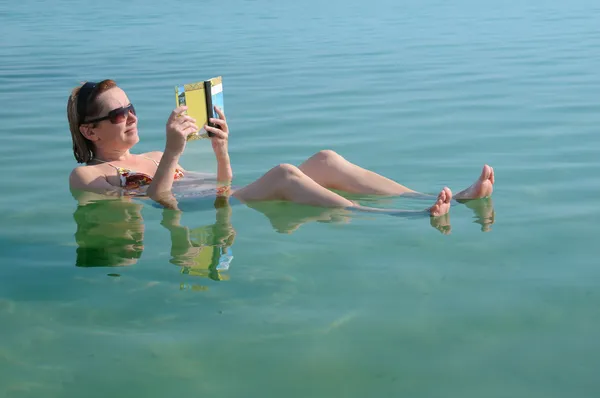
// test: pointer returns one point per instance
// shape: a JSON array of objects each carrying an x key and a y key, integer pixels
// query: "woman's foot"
[
  {"x": 482, "y": 188},
  {"x": 442, "y": 205}
]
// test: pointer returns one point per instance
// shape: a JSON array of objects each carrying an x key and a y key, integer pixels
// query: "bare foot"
[
  {"x": 482, "y": 188},
  {"x": 442, "y": 205}
]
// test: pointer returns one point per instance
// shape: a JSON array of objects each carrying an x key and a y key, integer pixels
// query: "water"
[{"x": 422, "y": 92}]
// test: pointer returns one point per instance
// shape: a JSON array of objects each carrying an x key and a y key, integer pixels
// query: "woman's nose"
[{"x": 131, "y": 117}]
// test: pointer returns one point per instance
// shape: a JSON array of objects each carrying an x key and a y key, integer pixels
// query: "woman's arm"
[
  {"x": 160, "y": 188},
  {"x": 219, "y": 142},
  {"x": 224, "y": 172},
  {"x": 179, "y": 126},
  {"x": 87, "y": 184}
]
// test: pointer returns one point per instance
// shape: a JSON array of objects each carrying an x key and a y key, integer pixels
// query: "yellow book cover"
[{"x": 200, "y": 98}]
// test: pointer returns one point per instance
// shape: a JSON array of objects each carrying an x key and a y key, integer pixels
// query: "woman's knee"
[
  {"x": 286, "y": 171},
  {"x": 327, "y": 156},
  {"x": 272, "y": 185}
]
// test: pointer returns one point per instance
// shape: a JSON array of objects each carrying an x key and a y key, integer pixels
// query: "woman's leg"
[
  {"x": 332, "y": 171},
  {"x": 287, "y": 182}
]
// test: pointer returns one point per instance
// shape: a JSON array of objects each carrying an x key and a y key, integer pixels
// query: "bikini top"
[{"x": 130, "y": 179}]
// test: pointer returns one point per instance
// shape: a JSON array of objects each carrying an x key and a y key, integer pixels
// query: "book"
[{"x": 200, "y": 98}]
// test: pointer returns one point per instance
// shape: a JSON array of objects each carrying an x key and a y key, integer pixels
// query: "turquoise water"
[{"x": 422, "y": 92}]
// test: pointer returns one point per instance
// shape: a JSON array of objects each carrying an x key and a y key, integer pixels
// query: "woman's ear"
[{"x": 88, "y": 132}]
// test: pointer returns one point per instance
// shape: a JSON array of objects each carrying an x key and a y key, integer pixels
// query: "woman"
[{"x": 103, "y": 126}]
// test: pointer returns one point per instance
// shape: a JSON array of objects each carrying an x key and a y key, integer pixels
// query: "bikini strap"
[
  {"x": 123, "y": 168},
  {"x": 120, "y": 170},
  {"x": 104, "y": 161},
  {"x": 155, "y": 162}
]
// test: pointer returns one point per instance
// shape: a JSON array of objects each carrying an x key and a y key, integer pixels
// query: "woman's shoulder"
[
  {"x": 154, "y": 155},
  {"x": 88, "y": 184},
  {"x": 157, "y": 156},
  {"x": 85, "y": 172},
  {"x": 85, "y": 169}
]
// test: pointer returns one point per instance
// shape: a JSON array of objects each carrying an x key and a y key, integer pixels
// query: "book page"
[
  {"x": 192, "y": 95},
  {"x": 217, "y": 97}
]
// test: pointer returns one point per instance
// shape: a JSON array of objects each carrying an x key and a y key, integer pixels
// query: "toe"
[
  {"x": 448, "y": 194},
  {"x": 434, "y": 210},
  {"x": 486, "y": 172}
]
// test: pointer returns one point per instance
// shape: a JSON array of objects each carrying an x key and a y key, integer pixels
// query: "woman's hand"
[
  {"x": 220, "y": 134},
  {"x": 179, "y": 127}
]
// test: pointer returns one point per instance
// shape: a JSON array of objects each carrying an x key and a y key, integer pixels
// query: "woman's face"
[{"x": 108, "y": 135}]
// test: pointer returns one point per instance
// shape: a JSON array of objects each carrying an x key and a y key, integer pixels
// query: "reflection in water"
[
  {"x": 484, "y": 213},
  {"x": 204, "y": 251},
  {"x": 110, "y": 233},
  {"x": 287, "y": 217},
  {"x": 442, "y": 223}
]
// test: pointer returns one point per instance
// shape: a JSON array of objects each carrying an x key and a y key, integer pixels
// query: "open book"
[{"x": 200, "y": 98}]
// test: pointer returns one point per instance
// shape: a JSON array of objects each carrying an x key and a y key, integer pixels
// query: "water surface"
[{"x": 422, "y": 92}]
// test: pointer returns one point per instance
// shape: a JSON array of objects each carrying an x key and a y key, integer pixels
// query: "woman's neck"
[{"x": 112, "y": 155}]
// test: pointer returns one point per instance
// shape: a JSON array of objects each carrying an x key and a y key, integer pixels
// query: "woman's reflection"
[
  {"x": 110, "y": 233},
  {"x": 203, "y": 251}
]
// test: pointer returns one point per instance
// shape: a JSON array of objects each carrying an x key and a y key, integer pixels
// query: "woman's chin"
[{"x": 132, "y": 136}]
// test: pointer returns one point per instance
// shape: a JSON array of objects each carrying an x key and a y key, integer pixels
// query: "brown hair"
[{"x": 84, "y": 149}]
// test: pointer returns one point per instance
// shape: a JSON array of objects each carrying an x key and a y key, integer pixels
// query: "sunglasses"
[{"x": 116, "y": 116}]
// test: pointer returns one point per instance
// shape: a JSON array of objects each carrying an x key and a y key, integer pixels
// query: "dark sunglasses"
[{"x": 116, "y": 116}]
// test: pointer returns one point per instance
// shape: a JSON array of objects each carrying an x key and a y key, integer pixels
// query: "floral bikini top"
[{"x": 132, "y": 180}]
